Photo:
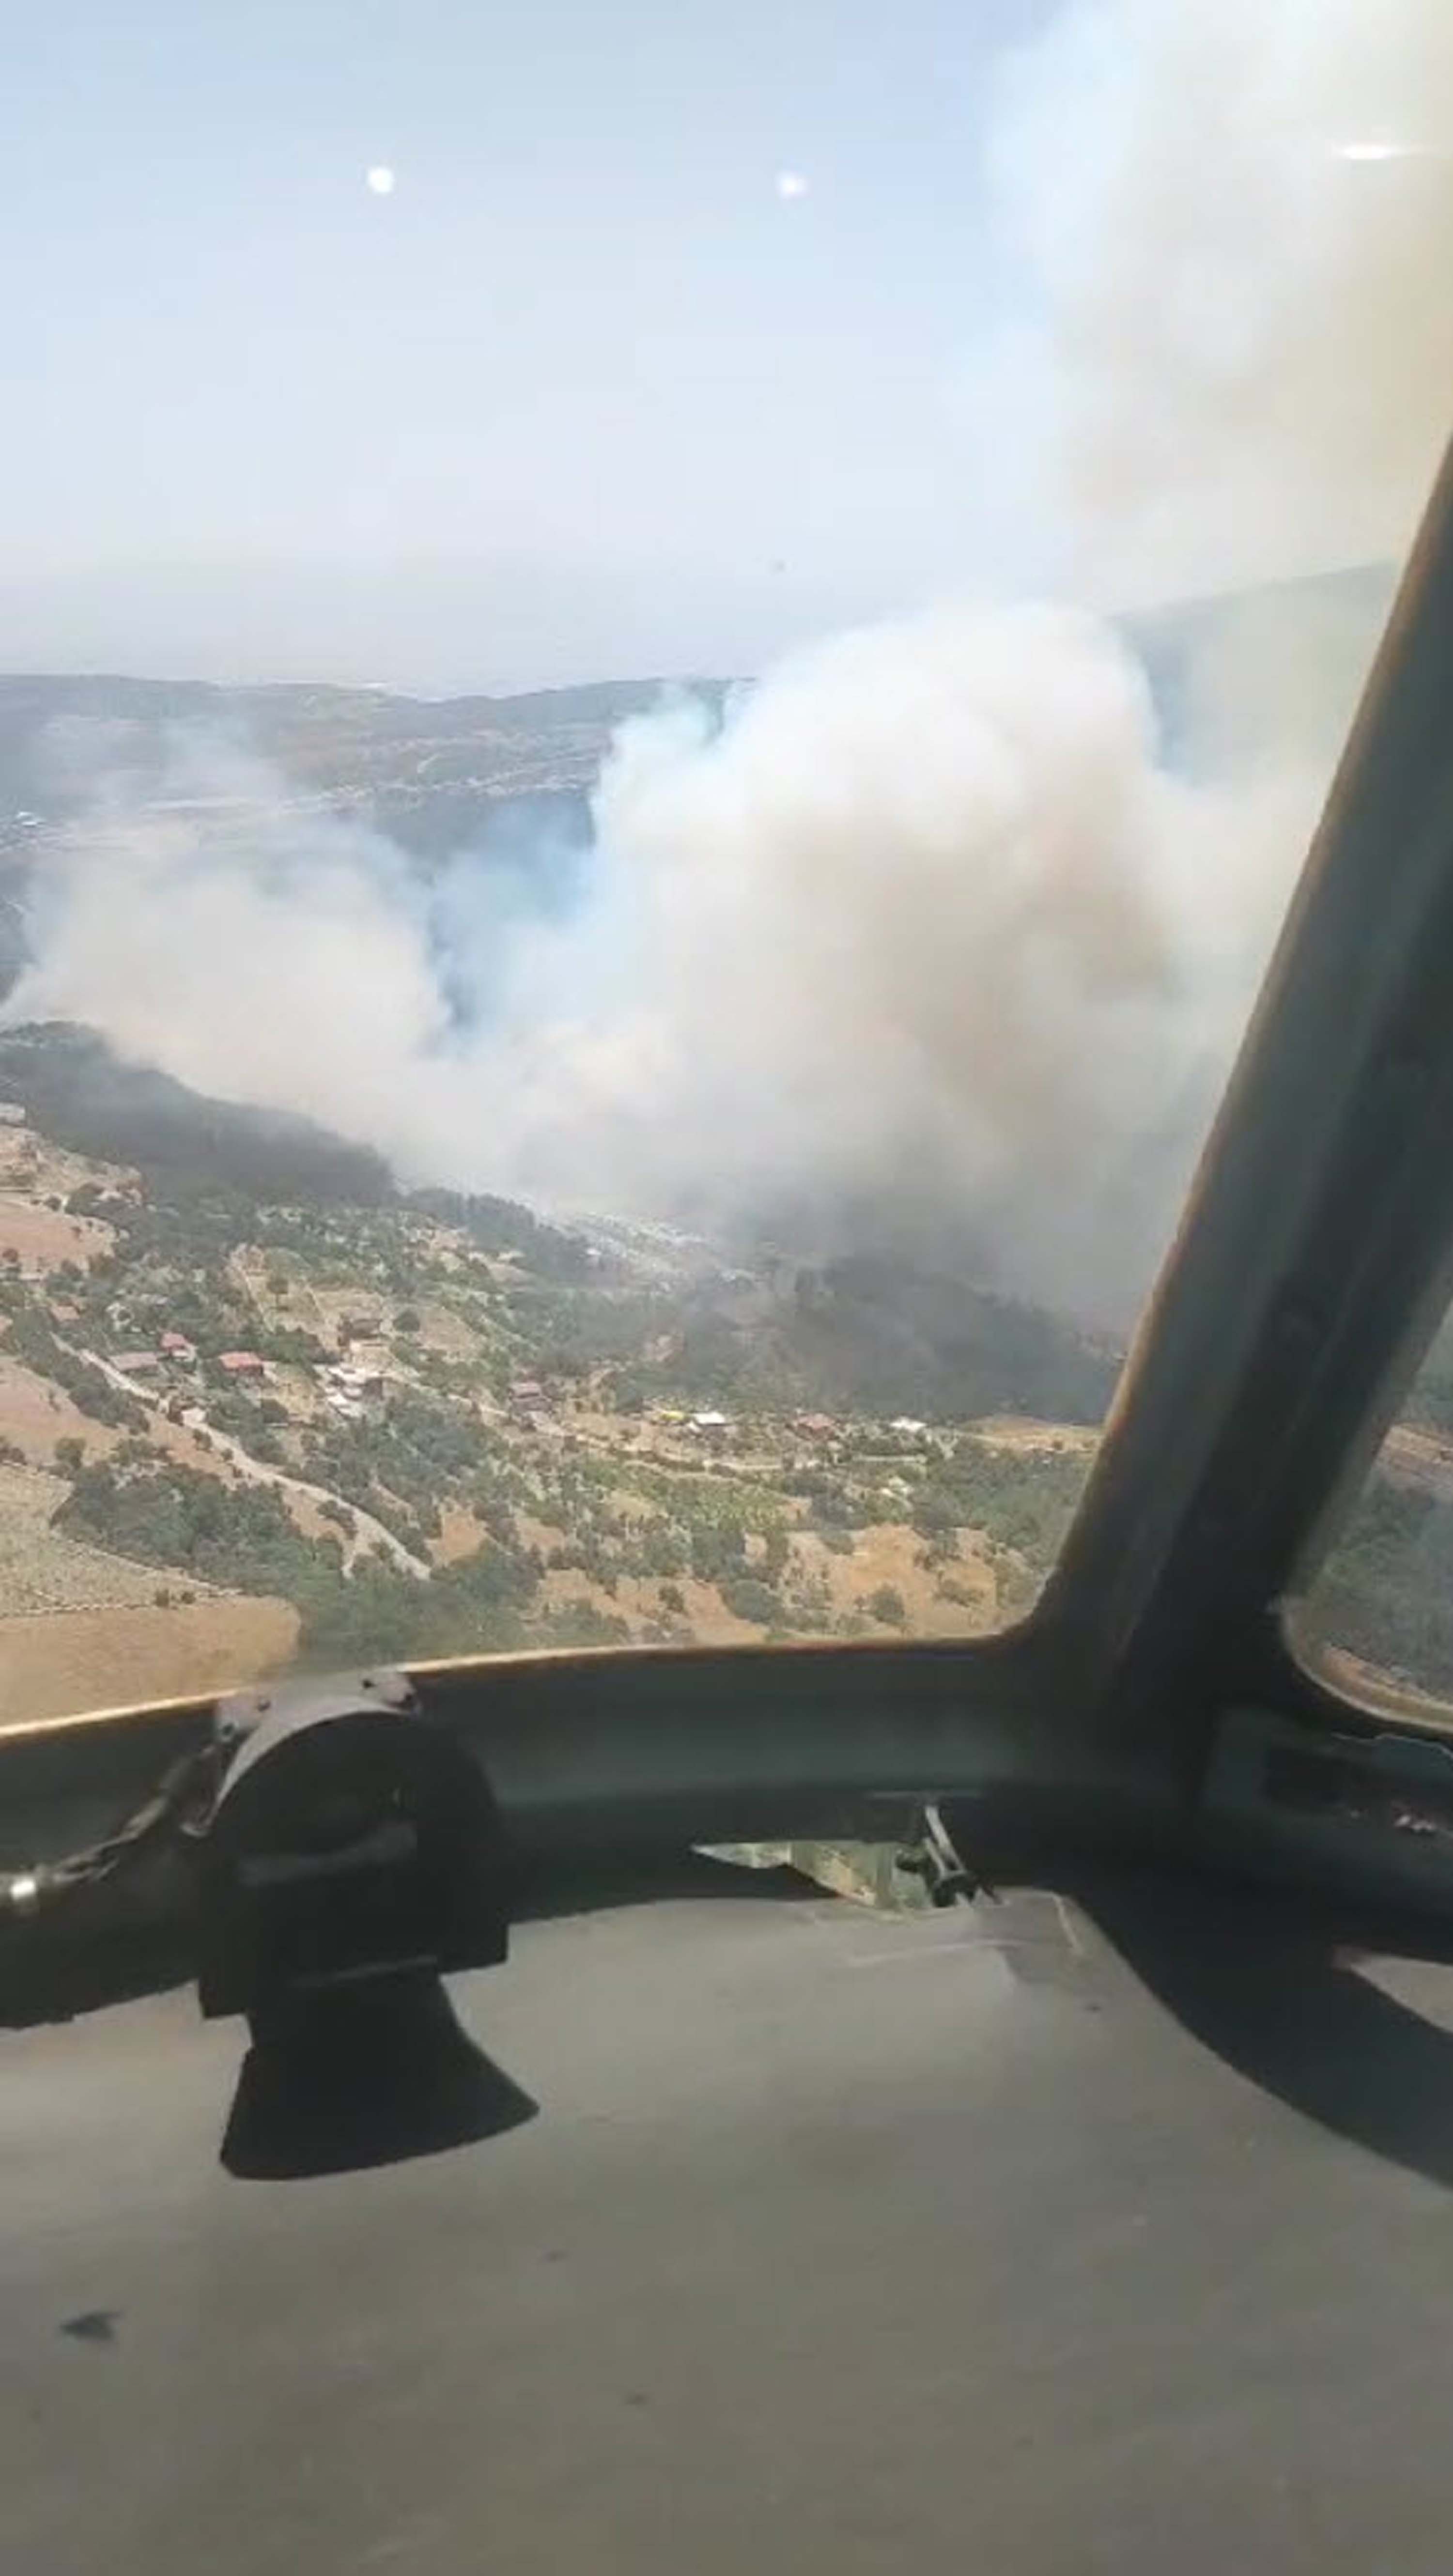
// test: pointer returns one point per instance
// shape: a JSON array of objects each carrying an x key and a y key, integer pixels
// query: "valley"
[{"x": 238, "y": 1429}]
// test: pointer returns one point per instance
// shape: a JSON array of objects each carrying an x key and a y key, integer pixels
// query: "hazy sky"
[{"x": 658, "y": 352}]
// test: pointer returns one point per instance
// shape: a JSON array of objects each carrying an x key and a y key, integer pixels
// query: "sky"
[
  {"x": 656, "y": 355},
  {"x": 867, "y": 351}
]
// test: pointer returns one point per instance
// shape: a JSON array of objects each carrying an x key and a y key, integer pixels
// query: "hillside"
[
  {"x": 241, "y": 1359},
  {"x": 403, "y": 1426},
  {"x": 861, "y": 1332},
  {"x": 507, "y": 777},
  {"x": 78, "y": 1094},
  {"x": 358, "y": 747},
  {"x": 510, "y": 777},
  {"x": 240, "y": 1422}
]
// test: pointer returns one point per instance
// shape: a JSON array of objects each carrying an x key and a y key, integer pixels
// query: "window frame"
[{"x": 1313, "y": 1251}]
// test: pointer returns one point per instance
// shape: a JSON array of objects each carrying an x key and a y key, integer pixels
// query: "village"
[{"x": 364, "y": 1428}]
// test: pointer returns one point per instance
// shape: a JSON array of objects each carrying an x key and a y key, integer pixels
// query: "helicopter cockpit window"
[
  {"x": 717, "y": 687},
  {"x": 1378, "y": 1619}
]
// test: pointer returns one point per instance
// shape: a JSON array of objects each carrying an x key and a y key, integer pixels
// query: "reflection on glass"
[{"x": 1380, "y": 1615}]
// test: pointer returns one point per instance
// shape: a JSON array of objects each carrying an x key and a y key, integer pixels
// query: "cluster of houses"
[
  {"x": 352, "y": 1383},
  {"x": 173, "y": 1350},
  {"x": 349, "y": 1386},
  {"x": 810, "y": 1430},
  {"x": 712, "y": 1425}
]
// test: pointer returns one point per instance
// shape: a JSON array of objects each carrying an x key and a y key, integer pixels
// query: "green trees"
[
  {"x": 774, "y": 1554},
  {"x": 375, "y": 1615},
  {"x": 400, "y": 1463},
  {"x": 811, "y": 1604},
  {"x": 239, "y": 1537},
  {"x": 288, "y": 1344},
  {"x": 493, "y": 1578},
  {"x": 748, "y": 1598},
  {"x": 658, "y": 1550},
  {"x": 1024, "y": 1500},
  {"x": 887, "y": 1603},
  {"x": 935, "y": 1511},
  {"x": 718, "y": 1550},
  {"x": 30, "y": 1339},
  {"x": 579, "y": 1623}
]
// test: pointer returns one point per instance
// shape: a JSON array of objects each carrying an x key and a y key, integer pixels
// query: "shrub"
[{"x": 748, "y": 1598}]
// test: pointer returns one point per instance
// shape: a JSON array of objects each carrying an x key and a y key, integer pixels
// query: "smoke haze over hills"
[
  {"x": 926, "y": 930},
  {"x": 947, "y": 912}
]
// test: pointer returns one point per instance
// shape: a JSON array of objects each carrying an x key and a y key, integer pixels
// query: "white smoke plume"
[
  {"x": 1230, "y": 220},
  {"x": 926, "y": 921},
  {"x": 933, "y": 917}
]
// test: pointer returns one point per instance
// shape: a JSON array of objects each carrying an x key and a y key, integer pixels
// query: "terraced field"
[
  {"x": 41, "y": 1570},
  {"x": 80, "y": 1629}
]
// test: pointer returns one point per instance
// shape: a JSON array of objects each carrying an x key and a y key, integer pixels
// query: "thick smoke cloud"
[
  {"x": 1229, "y": 222},
  {"x": 925, "y": 924},
  {"x": 932, "y": 925}
]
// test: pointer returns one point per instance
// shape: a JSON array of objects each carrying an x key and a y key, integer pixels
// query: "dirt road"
[{"x": 367, "y": 1531}]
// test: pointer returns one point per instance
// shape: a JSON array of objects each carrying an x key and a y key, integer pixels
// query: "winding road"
[{"x": 367, "y": 1531}]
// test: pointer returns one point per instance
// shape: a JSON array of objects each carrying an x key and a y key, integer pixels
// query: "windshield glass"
[
  {"x": 1378, "y": 1619},
  {"x": 723, "y": 637}
]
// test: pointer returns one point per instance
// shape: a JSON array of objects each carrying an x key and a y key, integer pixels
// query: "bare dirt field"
[
  {"x": 1022, "y": 1436},
  {"x": 34, "y": 1415},
  {"x": 888, "y": 1552},
  {"x": 43, "y": 1237},
  {"x": 444, "y": 1332},
  {"x": 80, "y": 1629},
  {"x": 294, "y": 1306},
  {"x": 884, "y": 1554},
  {"x": 39, "y": 1168},
  {"x": 71, "y": 1661},
  {"x": 460, "y": 1535}
]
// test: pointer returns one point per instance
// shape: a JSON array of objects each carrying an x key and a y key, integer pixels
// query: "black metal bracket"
[
  {"x": 354, "y": 1839},
  {"x": 1365, "y": 1812},
  {"x": 936, "y": 1859}
]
